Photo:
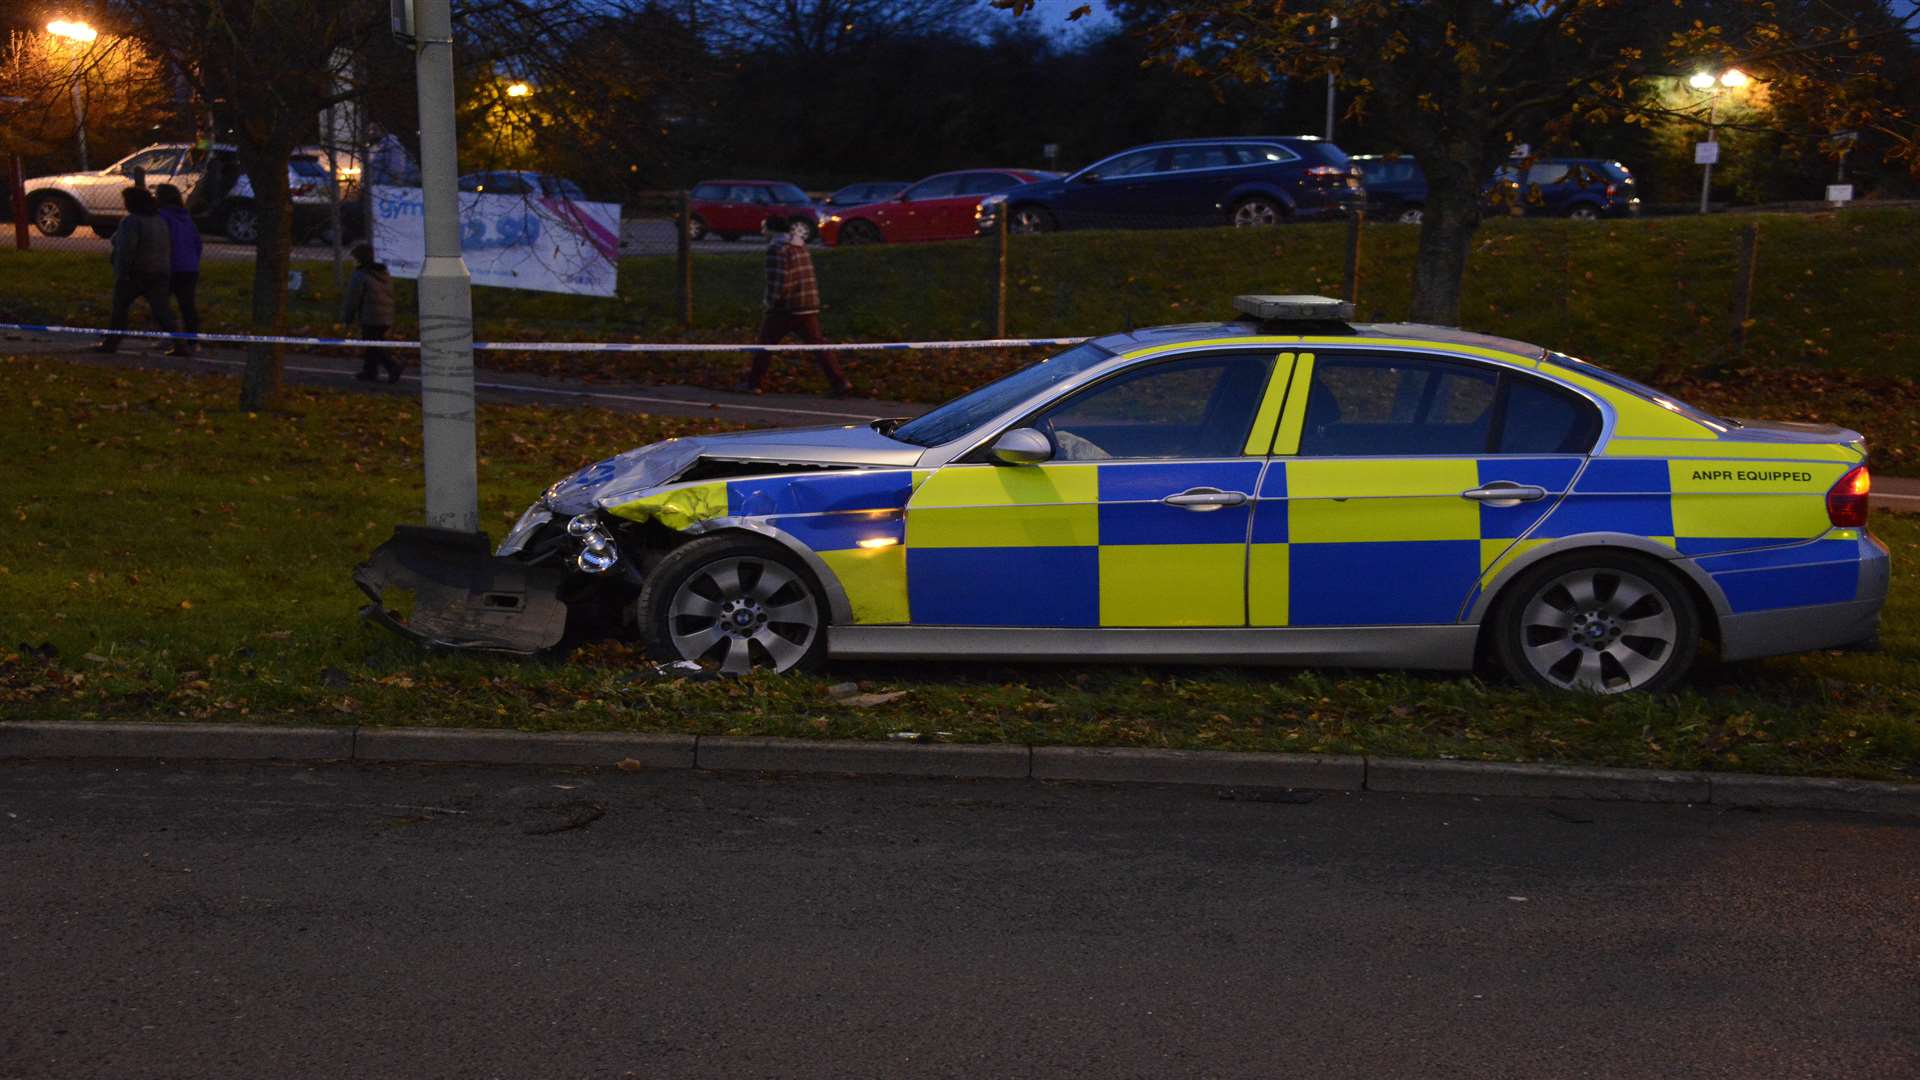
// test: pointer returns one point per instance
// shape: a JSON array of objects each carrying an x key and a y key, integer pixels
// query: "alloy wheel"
[
  {"x": 1256, "y": 212},
  {"x": 50, "y": 217},
  {"x": 744, "y": 612},
  {"x": 1412, "y": 215},
  {"x": 1599, "y": 629},
  {"x": 1028, "y": 219}
]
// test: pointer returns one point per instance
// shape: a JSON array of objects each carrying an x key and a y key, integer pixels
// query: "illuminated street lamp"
[
  {"x": 85, "y": 35},
  {"x": 519, "y": 90},
  {"x": 1708, "y": 152}
]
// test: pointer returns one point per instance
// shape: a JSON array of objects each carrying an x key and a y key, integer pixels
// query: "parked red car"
[
  {"x": 941, "y": 207},
  {"x": 730, "y": 209}
]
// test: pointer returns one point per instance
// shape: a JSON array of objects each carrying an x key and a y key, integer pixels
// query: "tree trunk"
[
  {"x": 260, "y": 384},
  {"x": 1446, "y": 233}
]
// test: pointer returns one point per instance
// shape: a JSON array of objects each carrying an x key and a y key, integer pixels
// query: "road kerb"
[
  {"x": 54, "y": 739},
  {"x": 481, "y": 747},
  {"x": 1220, "y": 768},
  {"x": 1815, "y": 793},
  {"x": 996, "y": 761},
  {"x": 1416, "y": 777}
]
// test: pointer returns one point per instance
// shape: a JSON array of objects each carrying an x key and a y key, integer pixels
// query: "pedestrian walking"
[
  {"x": 142, "y": 265},
  {"x": 183, "y": 281},
  {"x": 369, "y": 305},
  {"x": 792, "y": 306}
]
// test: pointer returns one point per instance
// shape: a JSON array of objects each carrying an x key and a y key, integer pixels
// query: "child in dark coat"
[{"x": 369, "y": 305}]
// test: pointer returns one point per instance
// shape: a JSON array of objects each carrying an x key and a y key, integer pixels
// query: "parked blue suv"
[{"x": 1255, "y": 180}]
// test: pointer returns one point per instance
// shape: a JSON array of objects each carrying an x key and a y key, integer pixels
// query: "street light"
[
  {"x": 1711, "y": 84},
  {"x": 518, "y": 90},
  {"x": 85, "y": 35}
]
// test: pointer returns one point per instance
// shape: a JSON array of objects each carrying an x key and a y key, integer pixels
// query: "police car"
[{"x": 1285, "y": 488}]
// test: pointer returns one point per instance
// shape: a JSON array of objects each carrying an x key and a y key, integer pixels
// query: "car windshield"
[
  {"x": 788, "y": 195},
  {"x": 307, "y": 168},
  {"x": 1641, "y": 390},
  {"x": 968, "y": 411}
]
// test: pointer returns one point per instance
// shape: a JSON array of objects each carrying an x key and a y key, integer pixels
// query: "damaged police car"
[{"x": 1284, "y": 488}]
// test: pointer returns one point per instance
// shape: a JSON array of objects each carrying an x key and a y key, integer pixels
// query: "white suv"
[{"x": 60, "y": 204}]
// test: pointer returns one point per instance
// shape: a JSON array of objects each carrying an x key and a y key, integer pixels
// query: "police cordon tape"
[{"x": 557, "y": 346}]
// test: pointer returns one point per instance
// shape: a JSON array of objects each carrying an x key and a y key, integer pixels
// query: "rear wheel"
[
  {"x": 1601, "y": 622},
  {"x": 241, "y": 223},
  {"x": 802, "y": 232},
  {"x": 860, "y": 231},
  {"x": 1031, "y": 219},
  {"x": 54, "y": 215},
  {"x": 1584, "y": 212},
  {"x": 696, "y": 228},
  {"x": 1258, "y": 210},
  {"x": 1411, "y": 215},
  {"x": 736, "y": 601}
]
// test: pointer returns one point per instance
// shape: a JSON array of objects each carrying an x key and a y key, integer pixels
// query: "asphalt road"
[{"x": 255, "y": 921}]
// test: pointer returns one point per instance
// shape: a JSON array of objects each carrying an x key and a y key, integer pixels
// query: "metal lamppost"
[
  {"x": 85, "y": 35},
  {"x": 1709, "y": 152}
]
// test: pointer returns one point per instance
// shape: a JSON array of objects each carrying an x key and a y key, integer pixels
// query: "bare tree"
[{"x": 819, "y": 29}]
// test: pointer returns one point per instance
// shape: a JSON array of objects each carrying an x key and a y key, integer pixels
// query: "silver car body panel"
[{"x": 1441, "y": 648}]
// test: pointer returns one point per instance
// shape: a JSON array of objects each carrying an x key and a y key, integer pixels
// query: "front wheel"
[
  {"x": 1257, "y": 211},
  {"x": 737, "y": 601},
  {"x": 1601, "y": 622},
  {"x": 54, "y": 215},
  {"x": 1584, "y": 212},
  {"x": 1411, "y": 215},
  {"x": 1031, "y": 219},
  {"x": 241, "y": 224},
  {"x": 860, "y": 231}
]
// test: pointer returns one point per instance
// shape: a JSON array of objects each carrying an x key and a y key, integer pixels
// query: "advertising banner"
[{"x": 542, "y": 242}]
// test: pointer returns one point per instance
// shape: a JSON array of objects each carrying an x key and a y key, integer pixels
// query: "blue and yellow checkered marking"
[{"x": 1826, "y": 571}]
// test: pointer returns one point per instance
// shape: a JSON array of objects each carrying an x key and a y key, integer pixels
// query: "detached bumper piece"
[{"x": 464, "y": 596}]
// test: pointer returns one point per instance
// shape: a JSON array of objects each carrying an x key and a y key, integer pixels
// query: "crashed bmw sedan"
[{"x": 1283, "y": 488}]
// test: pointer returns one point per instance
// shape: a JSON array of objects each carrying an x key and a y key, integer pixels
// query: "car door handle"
[
  {"x": 1505, "y": 493},
  {"x": 1203, "y": 499}
]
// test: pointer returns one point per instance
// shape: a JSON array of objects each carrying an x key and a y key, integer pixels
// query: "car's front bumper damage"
[{"x": 463, "y": 595}]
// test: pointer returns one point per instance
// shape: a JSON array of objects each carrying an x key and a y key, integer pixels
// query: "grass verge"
[
  {"x": 1832, "y": 336},
  {"x": 184, "y": 561}
]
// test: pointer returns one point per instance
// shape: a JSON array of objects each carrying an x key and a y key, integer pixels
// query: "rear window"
[
  {"x": 788, "y": 195},
  {"x": 307, "y": 168},
  {"x": 1640, "y": 390},
  {"x": 710, "y": 192}
]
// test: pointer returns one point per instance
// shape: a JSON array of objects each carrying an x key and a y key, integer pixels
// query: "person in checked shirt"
[{"x": 792, "y": 306}]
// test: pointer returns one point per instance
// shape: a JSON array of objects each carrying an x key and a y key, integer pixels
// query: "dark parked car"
[
  {"x": 867, "y": 191},
  {"x": 1579, "y": 188},
  {"x": 730, "y": 209},
  {"x": 1396, "y": 188},
  {"x": 944, "y": 206},
  {"x": 521, "y": 183},
  {"x": 1256, "y": 180}
]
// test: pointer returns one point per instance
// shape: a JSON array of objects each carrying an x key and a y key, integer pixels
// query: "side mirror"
[{"x": 1022, "y": 446}]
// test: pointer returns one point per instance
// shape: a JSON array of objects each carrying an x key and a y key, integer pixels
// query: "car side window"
[
  {"x": 1129, "y": 164},
  {"x": 153, "y": 161},
  {"x": 1191, "y": 158},
  {"x": 986, "y": 183},
  {"x": 710, "y": 193},
  {"x": 940, "y": 187},
  {"x": 1365, "y": 406},
  {"x": 740, "y": 193},
  {"x": 1546, "y": 174},
  {"x": 1197, "y": 408},
  {"x": 1265, "y": 154},
  {"x": 1536, "y": 418}
]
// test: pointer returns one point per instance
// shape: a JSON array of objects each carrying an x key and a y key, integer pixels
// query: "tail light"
[
  {"x": 1612, "y": 190},
  {"x": 1326, "y": 172},
  {"x": 1847, "y": 500}
]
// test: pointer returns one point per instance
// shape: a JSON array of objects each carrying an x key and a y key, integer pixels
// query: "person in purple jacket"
[{"x": 185, "y": 279}]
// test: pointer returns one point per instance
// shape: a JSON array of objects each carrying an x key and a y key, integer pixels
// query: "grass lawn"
[
  {"x": 1833, "y": 336},
  {"x": 186, "y": 561}
]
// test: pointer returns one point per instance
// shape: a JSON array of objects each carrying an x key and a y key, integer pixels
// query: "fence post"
[
  {"x": 683, "y": 255},
  {"x": 1000, "y": 272},
  {"x": 1356, "y": 218},
  {"x": 17, "y": 192},
  {"x": 1743, "y": 286}
]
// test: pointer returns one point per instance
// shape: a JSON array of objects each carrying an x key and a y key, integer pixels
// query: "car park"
[
  {"x": 1284, "y": 488},
  {"x": 1396, "y": 188},
  {"x": 943, "y": 206},
  {"x": 867, "y": 191},
  {"x": 217, "y": 193},
  {"x": 1257, "y": 180},
  {"x": 1580, "y": 188},
  {"x": 730, "y": 209}
]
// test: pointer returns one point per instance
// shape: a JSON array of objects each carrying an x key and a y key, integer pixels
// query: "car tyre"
[
  {"x": 803, "y": 231},
  {"x": 1603, "y": 622},
  {"x": 736, "y": 600},
  {"x": 240, "y": 223},
  {"x": 54, "y": 215},
  {"x": 104, "y": 229},
  {"x": 860, "y": 231},
  {"x": 1411, "y": 215},
  {"x": 1257, "y": 211},
  {"x": 696, "y": 228},
  {"x": 1031, "y": 219},
  {"x": 1584, "y": 212}
]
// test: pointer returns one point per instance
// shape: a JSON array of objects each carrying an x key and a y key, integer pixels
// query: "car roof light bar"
[{"x": 1297, "y": 314}]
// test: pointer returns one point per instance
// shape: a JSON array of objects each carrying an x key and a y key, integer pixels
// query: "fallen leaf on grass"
[{"x": 863, "y": 701}]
